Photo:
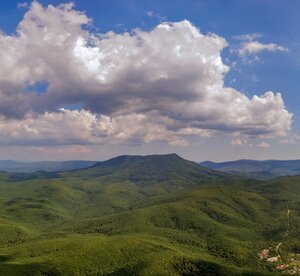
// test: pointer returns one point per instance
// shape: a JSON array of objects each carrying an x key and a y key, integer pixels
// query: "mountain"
[
  {"x": 258, "y": 169},
  {"x": 144, "y": 215},
  {"x": 28, "y": 167},
  {"x": 169, "y": 171}
]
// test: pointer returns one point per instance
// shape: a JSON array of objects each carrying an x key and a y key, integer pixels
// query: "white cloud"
[
  {"x": 164, "y": 84},
  {"x": 255, "y": 47},
  {"x": 244, "y": 142},
  {"x": 249, "y": 48},
  {"x": 264, "y": 144},
  {"x": 82, "y": 127},
  {"x": 241, "y": 142}
]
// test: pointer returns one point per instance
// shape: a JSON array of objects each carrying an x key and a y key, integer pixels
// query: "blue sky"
[{"x": 261, "y": 53}]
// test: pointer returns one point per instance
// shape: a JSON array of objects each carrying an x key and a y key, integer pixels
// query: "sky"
[{"x": 207, "y": 79}]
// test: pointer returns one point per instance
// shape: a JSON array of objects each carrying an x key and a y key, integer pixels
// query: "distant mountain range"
[
  {"x": 50, "y": 166},
  {"x": 148, "y": 164},
  {"x": 258, "y": 169}
]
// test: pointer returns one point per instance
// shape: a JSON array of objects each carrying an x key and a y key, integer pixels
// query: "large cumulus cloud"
[{"x": 165, "y": 84}]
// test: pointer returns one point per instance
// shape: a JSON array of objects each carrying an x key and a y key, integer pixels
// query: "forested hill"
[{"x": 145, "y": 215}]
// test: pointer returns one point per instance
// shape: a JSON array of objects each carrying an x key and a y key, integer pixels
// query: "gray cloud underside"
[{"x": 165, "y": 84}]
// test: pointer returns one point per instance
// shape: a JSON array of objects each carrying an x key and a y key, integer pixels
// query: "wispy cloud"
[
  {"x": 248, "y": 37},
  {"x": 22, "y": 5},
  {"x": 255, "y": 47},
  {"x": 264, "y": 144},
  {"x": 158, "y": 16},
  {"x": 241, "y": 142},
  {"x": 250, "y": 49},
  {"x": 291, "y": 140}
]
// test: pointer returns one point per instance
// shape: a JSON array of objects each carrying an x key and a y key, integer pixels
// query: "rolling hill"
[{"x": 144, "y": 215}]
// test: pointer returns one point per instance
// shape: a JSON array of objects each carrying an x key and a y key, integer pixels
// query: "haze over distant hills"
[
  {"x": 16, "y": 166},
  {"x": 258, "y": 169}
]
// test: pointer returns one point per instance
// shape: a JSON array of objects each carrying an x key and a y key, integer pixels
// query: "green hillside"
[{"x": 151, "y": 215}]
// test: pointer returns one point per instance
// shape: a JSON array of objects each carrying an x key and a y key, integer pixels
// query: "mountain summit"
[{"x": 166, "y": 170}]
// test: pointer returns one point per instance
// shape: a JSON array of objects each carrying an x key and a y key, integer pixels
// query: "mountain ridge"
[{"x": 261, "y": 169}]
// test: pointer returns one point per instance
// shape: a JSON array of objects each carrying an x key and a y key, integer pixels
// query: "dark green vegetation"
[
  {"x": 257, "y": 169},
  {"x": 29, "y": 167},
  {"x": 153, "y": 215}
]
